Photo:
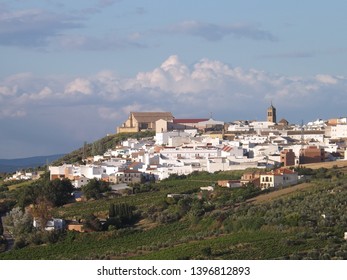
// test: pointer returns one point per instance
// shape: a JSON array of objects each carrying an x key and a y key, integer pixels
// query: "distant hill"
[{"x": 12, "y": 165}]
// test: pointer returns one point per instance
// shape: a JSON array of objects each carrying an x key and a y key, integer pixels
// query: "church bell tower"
[{"x": 271, "y": 114}]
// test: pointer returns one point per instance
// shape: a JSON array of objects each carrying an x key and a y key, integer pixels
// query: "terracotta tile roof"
[
  {"x": 189, "y": 120},
  {"x": 151, "y": 116},
  {"x": 134, "y": 164},
  {"x": 281, "y": 171},
  {"x": 227, "y": 148}
]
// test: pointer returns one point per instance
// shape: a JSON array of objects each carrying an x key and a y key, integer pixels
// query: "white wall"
[{"x": 339, "y": 131}]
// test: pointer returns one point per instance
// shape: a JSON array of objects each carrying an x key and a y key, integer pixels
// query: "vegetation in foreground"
[{"x": 224, "y": 224}]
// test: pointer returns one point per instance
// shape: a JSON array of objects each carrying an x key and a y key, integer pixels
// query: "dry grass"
[
  {"x": 278, "y": 193},
  {"x": 329, "y": 164},
  {"x": 145, "y": 224}
]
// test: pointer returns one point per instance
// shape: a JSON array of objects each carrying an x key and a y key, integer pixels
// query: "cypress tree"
[
  {"x": 111, "y": 211},
  {"x": 1, "y": 227}
]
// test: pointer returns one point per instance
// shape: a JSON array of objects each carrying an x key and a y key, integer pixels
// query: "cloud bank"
[
  {"x": 83, "y": 108},
  {"x": 216, "y": 32},
  {"x": 208, "y": 85},
  {"x": 33, "y": 27}
]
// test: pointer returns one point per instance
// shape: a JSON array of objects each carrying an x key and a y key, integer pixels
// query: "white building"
[
  {"x": 261, "y": 126},
  {"x": 264, "y": 150},
  {"x": 52, "y": 224},
  {"x": 163, "y": 138},
  {"x": 217, "y": 164},
  {"x": 279, "y": 177},
  {"x": 337, "y": 131},
  {"x": 256, "y": 139},
  {"x": 164, "y": 172},
  {"x": 228, "y": 151},
  {"x": 190, "y": 152},
  {"x": 238, "y": 127}
]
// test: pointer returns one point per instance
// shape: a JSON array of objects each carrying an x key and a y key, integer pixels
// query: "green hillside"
[
  {"x": 305, "y": 222},
  {"x": 100, "y": 146}
]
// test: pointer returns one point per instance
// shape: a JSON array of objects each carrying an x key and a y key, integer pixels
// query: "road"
[{"x": 9, "y": 239}]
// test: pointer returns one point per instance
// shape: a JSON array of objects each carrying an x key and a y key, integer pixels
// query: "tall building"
[
  {"x": 311, "y": 154},
  {"x": 271, "y": 114},
  {"x": 287, "y": 157},
  {"x": 139, "y": 121}
]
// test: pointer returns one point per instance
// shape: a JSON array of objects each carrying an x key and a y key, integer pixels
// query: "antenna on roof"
[{"x": 210, "y": 115}]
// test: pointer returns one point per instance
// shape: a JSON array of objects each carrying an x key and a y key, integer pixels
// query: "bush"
[
  {"x": 20, "y": 243},
  {"x": 95, "y": 188},
  {"x": 36, "y": 238}
]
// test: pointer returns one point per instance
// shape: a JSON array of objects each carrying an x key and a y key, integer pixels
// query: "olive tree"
[{"x": 18, "y": 222}]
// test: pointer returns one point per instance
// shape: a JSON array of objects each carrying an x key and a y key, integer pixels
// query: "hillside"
[
  {"x": 12, "y": 165},
  {"x": 100, "y": 146},
  {"x": 306, "y": 221}
]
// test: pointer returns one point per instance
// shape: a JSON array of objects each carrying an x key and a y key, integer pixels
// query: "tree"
[
  {"x": 1, "y": 227},
  {"x": 18, "y": 222},
  {"x": 111, "y": 211},
  {"x": 95, "y": 188},
  {"x": 97, "y": 148},
  {"x": 197, "y": 208},
  {"x": 120, "y": 215},
  {"x": 41, "y": 211},
  {"x": 91, "y": 222},
  {"x": 6, "y": 206},
  {"x": 58, "y": 192},
  {"x": 28, "y": 195}
]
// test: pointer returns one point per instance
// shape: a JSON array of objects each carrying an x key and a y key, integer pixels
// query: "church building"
[{"x": 271, "y": 114}]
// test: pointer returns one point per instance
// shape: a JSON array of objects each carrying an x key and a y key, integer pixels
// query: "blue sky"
[{"x": 73, "y": 70}]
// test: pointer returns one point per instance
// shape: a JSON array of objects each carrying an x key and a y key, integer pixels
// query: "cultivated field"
[{"x": 330, "y": 164}]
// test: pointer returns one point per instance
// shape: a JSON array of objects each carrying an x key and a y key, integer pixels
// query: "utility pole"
[{"x": 84, "y": 156}]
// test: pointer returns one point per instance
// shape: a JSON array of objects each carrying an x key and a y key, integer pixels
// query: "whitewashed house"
[
  {"x": 278, "y": 178},
  {"x": 52, "y": 224}
]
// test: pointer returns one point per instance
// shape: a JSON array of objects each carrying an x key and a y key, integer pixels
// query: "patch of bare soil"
[{"x": 278, "y": 193}]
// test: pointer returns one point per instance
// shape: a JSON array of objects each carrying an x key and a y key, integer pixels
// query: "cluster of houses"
[
  {"x": 182, "y": 146},
  {"x": 24, "y": 175}
]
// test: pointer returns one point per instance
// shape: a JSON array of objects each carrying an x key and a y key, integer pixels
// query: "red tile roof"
[
  {"x": 189, "y": 120},
  {"x": 281, "y": 171},
  {"x": 227, "y": 148}
]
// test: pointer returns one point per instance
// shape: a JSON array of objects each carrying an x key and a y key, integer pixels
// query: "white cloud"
[
  {"x": 79, "y": 85},
  {"x": 208, "y": 85},
  {"x": 326, "y": 79},
  {"x": 33, "y": 27},
  {"x": 85, "y": 108},
  {"x": 7, "y": 91},
  {"x": 6, "y": 113}
]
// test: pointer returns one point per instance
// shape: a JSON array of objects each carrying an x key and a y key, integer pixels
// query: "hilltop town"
[
  {"x": 183, "y": 146},
  {"x": 236, "y": 190}
]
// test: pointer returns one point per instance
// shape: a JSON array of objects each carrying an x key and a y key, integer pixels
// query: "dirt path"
[{"x": 9, "y": 239}]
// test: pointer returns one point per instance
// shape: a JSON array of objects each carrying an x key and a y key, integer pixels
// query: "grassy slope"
[
  {"x": 101, "y": 145},
  {"x": 210, "y": 238},
  {"x": 183, "y": 239}
]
